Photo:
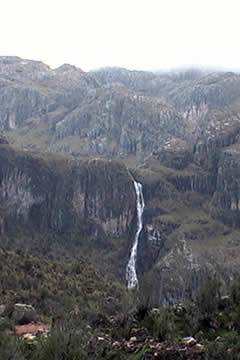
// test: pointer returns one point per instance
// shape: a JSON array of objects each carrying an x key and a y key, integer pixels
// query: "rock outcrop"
[
  {"x": 24, "y": 314},
  {"x": 117, "y": 122},
  {"x": 225, "y": 203},
  {"x": 59, "y": 194}
]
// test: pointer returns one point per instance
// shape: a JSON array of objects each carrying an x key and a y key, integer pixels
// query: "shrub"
[
  {"x": 11, "y": 348},
  {"x": 60, "y": 345},
  {"x": 191, "y": 320},
  {"x": 208, "y": 297},
  {"x": 161, "y": 324},
  {"x": 226, "y": 348},
  {"x": 235, "y": 290}
]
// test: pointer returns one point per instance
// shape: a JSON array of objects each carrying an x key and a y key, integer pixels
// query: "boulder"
[
  {"x": 24, "y": 314},
  {"x": 189, "y": 341},
  {"x": 3, "y": 140},
  {"x": 2, "y": 309}
]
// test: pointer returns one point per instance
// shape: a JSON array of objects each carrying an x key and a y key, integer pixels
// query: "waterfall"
[{"x": 131, "y": 275}]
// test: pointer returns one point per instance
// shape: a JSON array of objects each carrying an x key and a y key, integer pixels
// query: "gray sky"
[{"x": 136, "y": 34}]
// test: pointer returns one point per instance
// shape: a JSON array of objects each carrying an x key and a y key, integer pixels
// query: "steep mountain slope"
[
  {"x": 192, "y": 217},
  {"x": 191, "y": 188},
  {"x": 96, "y": 113},
  {"x": 70, "y": 111},
  {"x": 117, "y": 122},
  {"x": 64, "y": 208},
  {"x": 177, "y": 133}
]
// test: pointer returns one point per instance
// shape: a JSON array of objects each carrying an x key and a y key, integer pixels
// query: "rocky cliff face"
[
  {"x": 225, "y": 202},
  {"x": 70, "y": 111},
  {"x": 116, "y": 122},
  {"x": 192, "y": 199},
  {"x": 178, "y": 134},
  {"x": 64, "y": 203}
]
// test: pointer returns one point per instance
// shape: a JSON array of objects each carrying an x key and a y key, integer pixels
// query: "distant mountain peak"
[{"x": 67, "y": 68}]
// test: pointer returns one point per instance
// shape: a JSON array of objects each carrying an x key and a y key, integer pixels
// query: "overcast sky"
[{"x": 136, "y": 34}]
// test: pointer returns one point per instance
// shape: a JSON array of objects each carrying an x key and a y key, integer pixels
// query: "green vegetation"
[
  {"x": 54, "y": 288},
  {"x": 135, "y": 331}
]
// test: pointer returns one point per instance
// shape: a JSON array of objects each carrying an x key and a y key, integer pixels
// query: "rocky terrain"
[{"x": 74, "y": 142}]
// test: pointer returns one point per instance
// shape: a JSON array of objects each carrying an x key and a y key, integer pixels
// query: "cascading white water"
[{"x": 131, "y": 275}]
